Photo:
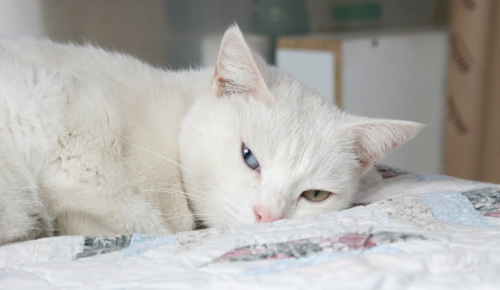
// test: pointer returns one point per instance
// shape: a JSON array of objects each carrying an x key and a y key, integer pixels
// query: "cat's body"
[{"x": 93, "y": 142}]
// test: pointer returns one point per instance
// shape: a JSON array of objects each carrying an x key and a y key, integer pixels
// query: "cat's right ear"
[
  {"x": 236, "y": 70},
  {"x": 373, "y": 139}
]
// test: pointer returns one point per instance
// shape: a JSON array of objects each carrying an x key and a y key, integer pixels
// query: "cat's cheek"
[{"x": 233, "y": 198}]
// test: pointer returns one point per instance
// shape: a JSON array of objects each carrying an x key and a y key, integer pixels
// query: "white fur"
[{"x": 93, "y": 142}]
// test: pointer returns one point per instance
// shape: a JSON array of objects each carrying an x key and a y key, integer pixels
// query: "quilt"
[{"x": 409, "y": 230}]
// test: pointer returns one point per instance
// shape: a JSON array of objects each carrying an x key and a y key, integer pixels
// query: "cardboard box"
[
  {"x": 490, "y": 168},
  {"x": 467, "y": 72}
]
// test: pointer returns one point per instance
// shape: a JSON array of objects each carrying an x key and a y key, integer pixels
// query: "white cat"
[{"x": 93, "y": 142}]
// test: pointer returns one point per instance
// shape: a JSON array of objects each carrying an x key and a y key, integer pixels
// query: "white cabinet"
[{"x": 385, "y": 74}]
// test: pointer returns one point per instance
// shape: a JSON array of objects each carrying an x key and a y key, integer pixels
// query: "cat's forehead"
[
  {"x": 300, "y": 132},
  {"x": 296, "y": 116},
  {"x": 304, "y": 108}
]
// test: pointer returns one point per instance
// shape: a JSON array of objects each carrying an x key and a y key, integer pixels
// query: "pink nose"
[{"x": 263, "y": 216}]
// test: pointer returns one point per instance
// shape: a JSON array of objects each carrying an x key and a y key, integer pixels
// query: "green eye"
[{"x": 316, "y": 195}]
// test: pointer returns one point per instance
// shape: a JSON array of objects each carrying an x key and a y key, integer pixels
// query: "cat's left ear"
[
  {"x": 237, "y": 69},
  {"x": 373, "y": 139}
]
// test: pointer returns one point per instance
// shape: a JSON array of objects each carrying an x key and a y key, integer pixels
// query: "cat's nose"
[{"x": 264, "y": 216}]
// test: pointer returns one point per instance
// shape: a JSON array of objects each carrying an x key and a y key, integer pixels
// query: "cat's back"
[
  {"x": 44, "y": 81},
  {"x": 32, "y": 100},
  {"x": 105, "y": 66},
  {"x": 47, "y": 94},
  {"x": 79, "y": 118}
]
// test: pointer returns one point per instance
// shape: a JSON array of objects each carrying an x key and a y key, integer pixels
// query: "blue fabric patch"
[
  {"x": 385, "y": 249},
  {"x": 143, "y": 243},
  {"x": 453, "y": 207},
  {"x": 289, "y": 264},
  {"x": 421, "y": 177},
  {"x": 7, "y": 274}
]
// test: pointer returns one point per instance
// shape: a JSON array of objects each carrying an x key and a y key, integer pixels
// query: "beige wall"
[
  {"x": 165, "y": 33},
  {"x": 123, "y": 25},
  {"x": 20, "y": 17}
]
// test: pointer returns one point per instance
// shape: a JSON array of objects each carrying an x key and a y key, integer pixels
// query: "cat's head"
[{"x": 261, "y": 146}]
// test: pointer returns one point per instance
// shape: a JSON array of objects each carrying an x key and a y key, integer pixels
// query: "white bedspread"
[{"x": 419, "y": 231}]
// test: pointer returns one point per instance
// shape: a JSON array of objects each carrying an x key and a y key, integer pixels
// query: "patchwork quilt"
[{"x": 409, "y": 230}]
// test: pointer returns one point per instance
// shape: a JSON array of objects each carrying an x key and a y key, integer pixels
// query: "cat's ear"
[
  {"x": 237, "y": 69},
  {"x": 373, "y": 139}
]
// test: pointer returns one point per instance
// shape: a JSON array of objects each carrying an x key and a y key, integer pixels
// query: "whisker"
[
  {"x": 196, "y": 216},
  {"x": 230, "y": 210},
  {"x": 177, "y": 192},
  {"x": 175, "y": 163},
  {"x": 211, "y": 201}
]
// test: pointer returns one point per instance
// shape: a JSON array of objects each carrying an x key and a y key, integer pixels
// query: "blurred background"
[
  {"x": 423, "y": 60},
  {"x": 174, "y": 33}
]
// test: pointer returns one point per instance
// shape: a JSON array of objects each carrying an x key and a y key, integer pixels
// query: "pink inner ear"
[
  {"x": 368, "y": 158},
  {"x": 237, "y": 71},
  {"x": 362, "y": 156},
  {"x": 373, "y": 140},
  {"x": 219, "y": 83},
  {"x": 222, "y": 86}
]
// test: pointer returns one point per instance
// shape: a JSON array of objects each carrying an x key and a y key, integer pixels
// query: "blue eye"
[{"x": 249, "y": 158}]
